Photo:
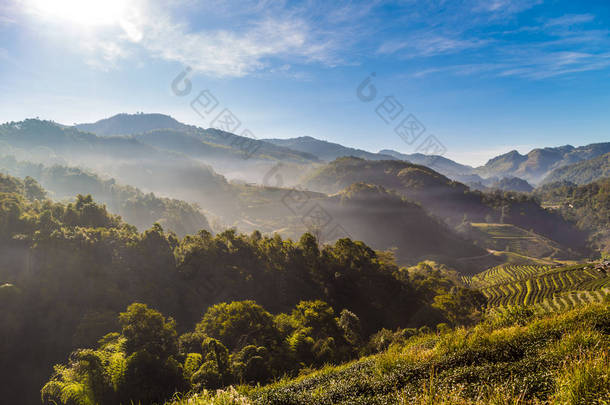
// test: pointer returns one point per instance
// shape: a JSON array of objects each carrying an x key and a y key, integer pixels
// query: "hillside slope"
[
  {"x": 588, "y": 206},
  {"x": 451, "y": 201},
  {"x": 508, "y": 359},
  {"x": 325, "y": 150},
  {"x": 129, "y": 124},
  {"x": 583, "y": 172},
  {"x": 135, "y": 207},
  {"x": 385, "y": 220},
  {"x": 439, "y": 163}
]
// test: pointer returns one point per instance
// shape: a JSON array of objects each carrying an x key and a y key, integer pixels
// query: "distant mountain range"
[
  {"x": 193, "y": 164},
  {"x": 533, "y": 167},
  {"x": 443, "y": 198},
  {"x": 583, "y": 172},
  {"x": 539, "y": 163},
  {"x": 329, "y": 151},
  {"x": 239, "y": 157}
]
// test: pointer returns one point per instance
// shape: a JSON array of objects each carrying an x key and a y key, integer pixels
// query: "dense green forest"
[
  {"x": 67, "y": 270},
  {"x": 587, "y": 205},
  {"x": 134, "y": 206}
]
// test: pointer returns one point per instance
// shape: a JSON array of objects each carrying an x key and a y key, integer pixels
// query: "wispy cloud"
[
  {"x": 430, "y": 44},
  {"x": 237, "y": 38},
  {"x": 556, "y": 46},
  {"x": 248, "y": 37},
  {"x": 569, "y": 19},
  {"x": 229, "y": 53}
]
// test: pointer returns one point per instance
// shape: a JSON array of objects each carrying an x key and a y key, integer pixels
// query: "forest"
[{"x": 74, "y": 274}]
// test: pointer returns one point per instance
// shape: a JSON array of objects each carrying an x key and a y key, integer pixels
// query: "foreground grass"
[{"x": 511, "y": 358}]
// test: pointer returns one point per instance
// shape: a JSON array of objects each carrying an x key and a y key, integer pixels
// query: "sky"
[{"x": 475, "y": 78}]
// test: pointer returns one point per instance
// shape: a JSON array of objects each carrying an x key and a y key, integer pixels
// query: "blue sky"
[{"x": 484, "y": 77}]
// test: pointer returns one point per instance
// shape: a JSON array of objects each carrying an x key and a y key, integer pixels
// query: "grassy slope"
[{"x": 513, "y": 357}]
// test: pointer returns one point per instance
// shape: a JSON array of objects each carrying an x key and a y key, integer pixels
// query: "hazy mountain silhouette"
[
  {"x": 538, "y": 163},
  {"x": 583, "y": 172}
]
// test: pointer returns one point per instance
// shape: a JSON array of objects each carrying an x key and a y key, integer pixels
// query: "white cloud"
[
  {"x": 569, "y": 19},
  {"x": 228, "y": 53},
  {"x": 253, "y": 36}
]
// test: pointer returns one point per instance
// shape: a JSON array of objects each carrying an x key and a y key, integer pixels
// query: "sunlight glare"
[{"x": 82, "y": 12}]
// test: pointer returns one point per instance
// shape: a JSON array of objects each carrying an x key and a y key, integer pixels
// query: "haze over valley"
[{"x": 304, "y": 203}]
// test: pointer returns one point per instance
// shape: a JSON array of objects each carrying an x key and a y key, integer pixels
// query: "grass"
[{"x": 513, "y": 357}]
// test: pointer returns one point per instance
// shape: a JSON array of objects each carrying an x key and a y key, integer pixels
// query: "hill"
[
  {"x": 588, "y": 206},
  {"x": 68, "y": 269},
  {"x": 134, "y": 206},
  {"x": 439, "y": 163},
  {"x": 452, "y": 201},
  {"x": 512, "y": 357},
  {"x": 539, "y": 163},
  {"x": 126, "y": 159},
  {"x": 387, "y": 221},
  {"x": 383, "y": 219},
  {"x": 325, "y": 150},
  {"x": 510, "y": 238},
  {"x": 163, "y": 131},
  {"x": 550, "y": 288},
  {"x": 583, "y": 172},
  {"x": 130, "y": 124},
  {"x": 513, "y": 184},
  {"x": 235, "y": 156}
]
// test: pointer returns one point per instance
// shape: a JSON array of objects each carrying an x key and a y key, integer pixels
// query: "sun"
[{"x": 83, "y": 12}]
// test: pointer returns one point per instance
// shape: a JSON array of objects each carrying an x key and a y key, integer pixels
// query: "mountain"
[
  {"x": 586, "y": 205},
  {"x": 513, "y": 184},
  {"x": 329, "y": 151},
  {"x": 219, "y": 148},
  {"x": 325, "y": 150},
  {"x": 234, "y": 156},
  {"x": 538, "y": 163},
  {"x": 165, "y": 132},
  {"x": 126, "y": 159},
  {"x": 137, "y": 208},
  {"x": 129, "y": 124},
  {"x": 583, "y": 172},
  {"x": 452, "y": 201},
  {"x": 386, "y": 220},
  {"x": 439, "y": 163}
]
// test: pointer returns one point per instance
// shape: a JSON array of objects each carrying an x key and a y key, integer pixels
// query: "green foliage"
[
  {"x": 136, "y": 207},
  {"x": 462, "y": 306},
  {"x": 548, "y": 288},
  {"x": 480, "y": 365},
  {"x": 587, "y": 205},
  {"x": 68, "y": 269},
  {"x": 583, "y": 172},
  {"x": 139, "y": 365},
  {"x": 239, "y": 324},
  {"x": 147, "y": 330}
]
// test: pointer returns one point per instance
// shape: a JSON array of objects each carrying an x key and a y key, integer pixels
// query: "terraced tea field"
[
  {"x": 510, "y": 238},
  {"x": 551, "y": 288}
]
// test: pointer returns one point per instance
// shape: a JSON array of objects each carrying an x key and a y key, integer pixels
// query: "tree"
[
  {"x": 461, "y": 306},
  {"x": 147, "y": 330},
  {"x": 240, "y": 324}
]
